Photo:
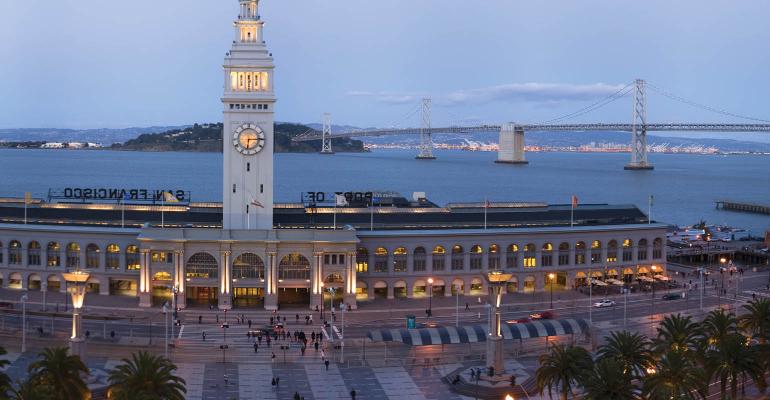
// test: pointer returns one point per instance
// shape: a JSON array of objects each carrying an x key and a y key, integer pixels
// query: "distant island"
[{"x": 199, "y": 138}]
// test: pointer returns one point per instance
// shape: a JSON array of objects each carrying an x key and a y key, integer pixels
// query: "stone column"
[
  {"x": 4, "y": 254},
  {"x": 225, "y": 295},
  {"x": 429, "y": 262},
  {"x": 485, "y": 260},
  {"x": 25, "y": 257},
  {"x": 316, "y": 274},
  {"x": 104, "y": 285},
  {"x": 350, "y": 281},
  {"x": 103, "y": 259},
  {"x": 145, "y": 279},
  {"x": 179, "y": 279},
  {"x": 390, "y": 291},
  {"x": 271, "y": 283},
  {"x": 409, "y": 263},
  {"x": 390, "y": 264},
  {"x": 466, "y": 261}
]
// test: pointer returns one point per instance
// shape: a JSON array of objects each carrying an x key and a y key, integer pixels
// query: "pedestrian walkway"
[
  {"x": 255, "y": 382},
  {"x": 326, "y": 384},
  {"x": 397, "y": 383},
  {"x": 193, "y": 374}
]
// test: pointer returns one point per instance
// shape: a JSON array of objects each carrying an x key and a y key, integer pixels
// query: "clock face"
[{"x": 249, "y": 139}]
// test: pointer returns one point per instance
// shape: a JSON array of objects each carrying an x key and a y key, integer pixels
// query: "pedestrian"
[
  {"x": 200, "y": 319},
  {"x": 316, "y": 346},
  {"x": 203, "y": 334},
  {"x": 302, "y": 350},
  {"x": 311, "y": 317},
  {"x": 259, "y": 338},
  {"x": 217, "y": 318},
  {"x": 277, "y": 380},
  {"x": 307, "y": 319},
  {"x": 353, "y": 394},
  {"x": 296, "y": 396},
  {"x": 297, "y": 318},
  {"x": 467, "y": 306},
  {"x": 312, "y": 336},
  {"x": 326, "y": 363},
  {"x": 273, "y": 381},
  {"x": 249, "y": 324},
  {"x": 88, "y": 334},
  {"x": 272, "y": 357},
  {"x": 256, "y": 347},
  {"x": 248, "y": 334},
  {"x": 271, "y": 320}
]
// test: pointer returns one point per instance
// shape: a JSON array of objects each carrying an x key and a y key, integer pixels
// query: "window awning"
[{"x": 478, "y": 333}]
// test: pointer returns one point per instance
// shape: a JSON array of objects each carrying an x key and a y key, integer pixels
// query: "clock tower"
[{"x": 249, "y": 101}]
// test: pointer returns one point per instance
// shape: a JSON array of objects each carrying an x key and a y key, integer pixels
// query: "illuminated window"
[
  {"x": 580, "y": 253},
  {"x": 92, "y": 256},
  {"x": 73, "y": 255},
  {"x": 596, "y": 252},
  {"x": 112, "y": 258},
  {"x": 202, "y": 265},
  {"x": 381, "y": 260},
  {"x": 546, "y": 256},
  {"x": 362, "y": 260},
  {"x": 493, "y": 257},
  {"x": 54, "y": 254},
  {"x": 564, "y": 253},
  {"x": 132, "y": 258},
  {"x": 530, "y": 259},
  {"x": 161, "y": 276},
  {"x": 438, "y": 258},
  {"x": 628, "y": 250},
  {"x": 294, "y": 266},
  {"x": 458, "y": 258},
  {"x": 512, "y": 258},
  {"x": 33, "y": 253},
  {"x": 248, "y": 266},
  {"x": 162, "y": 257},
  {"x": 612, "y": 251},
  {"x": 14, "y": 252}
]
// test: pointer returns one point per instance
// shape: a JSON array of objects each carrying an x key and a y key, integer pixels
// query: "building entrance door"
[
  {"x": 248, "y": 296},
  {"x": 294, "y": 296},
  {"x": 202, "y": 296}
]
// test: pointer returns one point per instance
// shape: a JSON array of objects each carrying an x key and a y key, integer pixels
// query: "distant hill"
[
  {"x": 208, "y": 138},
  {"x": 104, "y": 136}
]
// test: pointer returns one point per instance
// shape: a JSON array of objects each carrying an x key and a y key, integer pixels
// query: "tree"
[
  {"x": 61, "y": 373},
  {"x": 677, "y": 333},
  {"x": 730, "y": 359},
  {"x": 563, "y": 368},
  {"x": 676, "y": 377},
  {"x": 718, "y": 325},
  {"x": 146, "y": 376},
  {"x": 610, "y": 381},
  {"x": 5, "y": 380},
  {"x": 757, "y": 321},
  {"x": 631, "y": 350}
]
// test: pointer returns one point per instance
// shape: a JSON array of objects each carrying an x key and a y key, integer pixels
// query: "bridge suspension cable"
[
  {"x": 680, "y": 99},
  {"x": 622, "y": 92}
]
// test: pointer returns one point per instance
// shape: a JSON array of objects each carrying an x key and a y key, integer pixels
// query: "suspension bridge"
[{"x": 511, "y": 139}]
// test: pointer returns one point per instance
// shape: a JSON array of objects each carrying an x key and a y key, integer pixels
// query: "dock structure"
[{"x": 743, "y": 207}]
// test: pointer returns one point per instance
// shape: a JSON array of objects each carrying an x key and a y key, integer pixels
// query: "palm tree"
[
  {"x": 61, "y": 372},
  {"x": 718, "y": 325},
  {"x": 146, "y": 376},
  {"x": 677, "y": 333},
  {"x": 631, "y": 350},
  {"x": 5, "y": 380},
  {"x": 757, "y": 321},
  {"x": 677, "y": 377},
  {"x": 609, "y": 381},
  {"x": 563, "y": 368},
  {"x": 30, "y": 389},
  {"x": 730, "y": 359}
]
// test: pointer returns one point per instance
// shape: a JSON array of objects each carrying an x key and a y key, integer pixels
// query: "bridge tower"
[
  {"x": 326, "y": 141},
  {"x": 426, "y": 141},
  {"x": 639, "y": 130},
  {"x": 511, "y": 145}
]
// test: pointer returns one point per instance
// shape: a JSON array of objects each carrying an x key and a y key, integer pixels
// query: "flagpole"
[
  {"x": 649, "y": 211},
  {"x": 162, "y": 214},
  {"x": 572, "y": 215},
  {"x": 26, "y": 200},
  {"x": 371, "y": 216},
  {"x": 123, "y": 213},
  {"x": 486, "y": 205},
  {"x": 334, "y": 226}
]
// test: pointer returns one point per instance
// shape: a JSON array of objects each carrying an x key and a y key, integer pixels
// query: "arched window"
[
  {"x": 112, "y": 258},
  {"x": 580, "y": 253},
  {"x": 362, "y": 260},
  {"x": 73, "y": 255},
  {"x": 248, "y": 266},
  {"x": 438, "y": 258},
  {"x": 657, "y": 248},
  {"x": 477, "y": 255},
  {"x": 628, "y": 250},
  {"x": 512, "y": 258},
  {"x": 596, "y": 252},
  {"x": 132, "y": 258},
  {"x": 202, "y": 265},
  {"x": 564, "y": 253},
  {"x": 294, "y": 266},
  {"x": 530, "y": 259},
  {"x": 399, "y": 259},
  {"x": 458, "y": 258},
  {"x": 612, "y": 251},
  {"x": 493, "y": 257},
  {"x": 54, "y": 254},
  {"x": 161, "y": 276},
  {"x": 418, "y": 259},
  {"x": 92, "y": 256},
  {"x": 14, "y": 252},
  {"x": 381, "y": 259},
  {"x": 546, "y": 255},
  {"x": 33, "y": 253},
  {"x": 642, "y": 250}
]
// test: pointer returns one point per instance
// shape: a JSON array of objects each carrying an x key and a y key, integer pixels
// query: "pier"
[{"x": 743, "y": 207}]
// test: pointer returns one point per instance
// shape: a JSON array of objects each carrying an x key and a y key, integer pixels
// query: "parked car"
[
  {"x": 604, "y": 303},
  {"x": 672, "y": 296}
]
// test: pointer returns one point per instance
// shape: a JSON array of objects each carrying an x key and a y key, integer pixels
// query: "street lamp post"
[
  {"x": 322, "y": 302},
  {"x": 331, "y": 307},
  {"x": 457, "y": 305},
  {"x": 24, "y": 323},
  {"x": 430, "y": 297},
  {"x": 76, "y": 286},
  {"x": 165, "y": 322},
  {"x": 496, "y": 281},
  {"x": 551, "y": 277}
]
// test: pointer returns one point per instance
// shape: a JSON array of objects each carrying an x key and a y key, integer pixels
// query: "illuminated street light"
[
  {"x": 551, "y": 276},
  {"x": 76, "y": 286},
  {"x": 497, "y": 280}
]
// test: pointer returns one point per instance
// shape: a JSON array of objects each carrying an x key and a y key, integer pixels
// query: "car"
[
  {"x": 604, "y": 303},
  {"x": 672, "y": 296},
  {"x": 543, "y": 315}
]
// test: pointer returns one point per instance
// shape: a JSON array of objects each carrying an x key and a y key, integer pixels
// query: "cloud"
[
  {"x": 387, "y": 97},
  {"x": 531, "y": 92}
]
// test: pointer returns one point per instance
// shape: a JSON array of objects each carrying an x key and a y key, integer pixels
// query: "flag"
[
  {"x": 651, "y": 198},
  {"x": 169, "y": 198},
  {"x": 254, "y": 202},
  {"x": 27, "y": 198},
  {"x": 574, "y": 201},
  {"x": 340, "y": 200}
]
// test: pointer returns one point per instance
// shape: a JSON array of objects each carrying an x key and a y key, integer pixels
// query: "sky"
[{"x": 96, "y": 63}]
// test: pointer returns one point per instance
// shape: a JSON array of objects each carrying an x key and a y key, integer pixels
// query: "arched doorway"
[
  {"x": 248, "y": 280},
  {"x": 294, "y": 280},
  {"x": 400, "y": 290},
  {"x": 201, "y": 273},
  {"x": 161, "y": 288},
  {"x": 380, "y": 290},
  {"x": 362, "y": 290},
  {"x": 33, "y": 282}
]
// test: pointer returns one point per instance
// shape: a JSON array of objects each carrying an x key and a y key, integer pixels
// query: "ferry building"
[{"x": 247, "y": 252}]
